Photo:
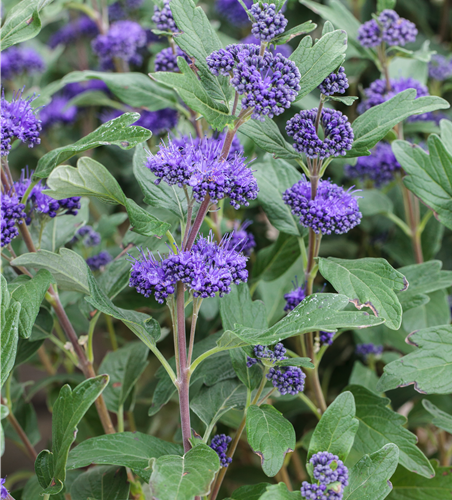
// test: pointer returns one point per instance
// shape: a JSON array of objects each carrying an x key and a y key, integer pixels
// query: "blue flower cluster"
[
  {"x": 158, "y": 122},
  {"x": 18, "y": 121},
  {"x": 198, "y": 164},
  {"x": 241, "y": 238},
  {"x": 122, "y": 9},
  {"x": 370, "y": 349},
  {"x": 163, "y": 17},
  {"x": 267, "y": 22},
  {"x": 379, "y": 167},
  {"x": 333, "y": 210},
  {"x": 57, "y": 111},
  {"x": 294, "y": 297},
  {"x": 377, "y": 93},
  {"x": 208, "y": 268},
  {"x": 83, "y": 26},
  {"x": 3, "y": 491},
  {"x": 122, "y": 41},
  {"x": 234, "y": 12},
  {"x": 335, "y": 83},
  {"x": 220, "y": 444},
  {"x": 337, "y": 129},
  {"x": 331, "y": 475},
  {"x": 11, "y": 212},
  {"x": 96, "y": 262},
  {"x": 287, "y": 379},
  {"x": 265, "y": 353},
  {"x": 439, "y": 67},
  {"x": 390, "y": 28},
  {"x": 166, "y": 59},
  {"x": 285, "y": 49},
  {"x": 18, "y": 61},
  {"x": 269, "y": 83},
  {"x": 87, "y": 236},
  {"x": 326, "y": 338}
]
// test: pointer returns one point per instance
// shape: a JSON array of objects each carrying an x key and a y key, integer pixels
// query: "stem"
[
  {"x": 20, "y": 432},
  {"x": 89, "y": 348},
  {"x": 309, "y": 404},
  {"x": 45, "y": 360},
  {"x": 197, "y": 222},
  {"x": 111, "y": 332},
  {"x": 120, "y": 415},
  {"x": 196, "y": 307},
  {"x": 183, "y": 382},
  {"x": 236, "y": 101}
]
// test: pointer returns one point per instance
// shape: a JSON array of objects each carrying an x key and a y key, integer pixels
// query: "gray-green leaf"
[
  {"x": 440, "y": 418},
  {"x": 10, "y": 311},
  {"x": 101, "y": 483}
]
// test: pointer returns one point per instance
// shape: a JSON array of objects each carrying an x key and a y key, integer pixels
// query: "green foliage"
[
  {"x": 10, "y": 313},
  {"x": 440, "y": 418},
  {"x": 101, "y": 483}
]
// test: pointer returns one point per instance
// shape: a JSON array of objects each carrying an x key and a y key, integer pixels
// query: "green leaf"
[
  {"x": 441, "y": 419},
  {"x": 363, "y": 375},
  {"x": 369, "y": 283},
  {"x": 30, "y": 296},
  {"x": 429, "y": 367},
  {"x": 280, "y": 492},
  {"x": 191, "y": 91},
  {"x": 249, "y": 492},
  {"x": 385, "y": 4},
  {"x": 446, "y": 134},
  {"x": 267, "y": 136},
  {"x": 379, "y": 425},
  {"x": 124, "y": 367},
  {"x": 369, "y": 478},
  {"x": 304, "y": 362},
  {"x": 117, "y": 132},
  {"x": 373, "y": 125},
  {"x": 68, "y": 410},
  {"x": 250, "y": 377},
  {"x": 182, "y": 478},
  {"x": 429, "y": 175},
  {"x": 198, "y": 39},
  {"x": 270, "y": 436},
  {"x": 213, "y": 402},
  {"x": 321, "y": 311},
  {"x": 317, "y": 61},
  {"x": 4, "y": 412},
  {"x": 373, "y": 202},
  {"x": 134, "y": 89},
  {"x": 288, "y": 35},
  {"x": 336, "y": 430},
  {"x": 126, "y": 449},
  {"x": 22, "y": 23},
  {"x": 274, "y": 177},
  {"x": 67, "y": 267},
  {"x": 10, "y": 313},
  {"x": 101, "y": 483},
  {"x": 347, "y": 100}
]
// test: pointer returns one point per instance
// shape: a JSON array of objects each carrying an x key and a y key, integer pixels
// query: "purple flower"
[
  {"x": 219, "y": 444},
  {"x": 73, "y": 30},
  {"x": 326, "y": 338},
  {"x": 265, "y": 353},
  {"x": 337, "y": 131},
  {"x": 396, "y": 30},
  {"x": 234, "y": 12},
  {"x": 3, "y": 491},
  {"x": 166, "y": 60},
  {"x": 333, "y": 210},
  {"x": 287, "y": 379},
  {"x": 11, "y": 212},
  {"x": 57, "y": 111},
  {"x": 241, "y": 238},
  {"x": 379, "y": 167},
  {"x": 18, "y": 121},
  {"x": 369, "y": 34},
  {"x": 97, "y": 261},
  {"x": 377, "y": 93},
  {"x": 87, "y": 236},
  {"x": 284, "y": 49},
  {"x": 123, "y": 40},
  {"x": 268, "y": 23},
  {"x": 198, "y": 165},
  {"x": 294, "y": 297},
  {"x": 121, "y": 9},
  {"x": 158, "y": 122},
  {"x": 336, "y": 83},
  {"x": 331, "y": 475},
  {"x": 365, "y": 350},
  {"x": 17, "y": 61},
  {"x": 163, "y": 18},
  {"x": 439, "y": 67}
]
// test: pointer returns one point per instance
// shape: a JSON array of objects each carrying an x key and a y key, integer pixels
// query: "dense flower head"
[
  {"x": 284, "y": 49},
  {"x": 326, "y": 338},
  {"x": 440, "y": 67},
  {"x": 3, "y": 491},
  {"x": 166, "y": 59},
  {"x": 267, "y": 22},
  {"x": 333, "y": 210},
  {"x": 17, "y": 61},
  {"x": 234, "y": 12},
  {"x": 390, "y": 28},
  {"x": 57, "y": 111},
  {"x": 337, "y": 129},
  {"x": 335, "y": 83},
  {"x": 219, "y": 444},
  {"x": 87, "y": 236},
  {"x": 158, "y": 122},
  {"x": 266, "y": 353},
  {"x": 12, "y": 212},
  {"x": 369, "y": 349},
  {"x": 123, "y": 40},
  {"x": 83, "y": 26},
  {"x": 377, "y": 93},
  {"x": 100, "y": 260},
  {"x": 331, "y": 475},
  {"x": 18, "y": 121},
  {"x": 163, "y": 17},
  {"x": 242, "y": 238},
  {"x": 199, "y": 165},
  {"x": 379, "y": 167},
  {"x": 294, "y": 297},
  {"x": 287, "y": 379}
]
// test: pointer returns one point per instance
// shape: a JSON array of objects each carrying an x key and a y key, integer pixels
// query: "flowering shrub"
[{"x": 223, "y": 228}]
